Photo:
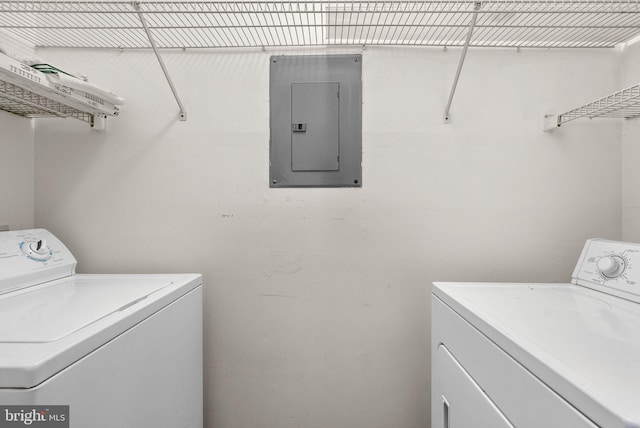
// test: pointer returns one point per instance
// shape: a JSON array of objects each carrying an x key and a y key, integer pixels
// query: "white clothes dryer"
[
  {"x": 121, "y": 351},
  {"x": 541, "y": 355}
]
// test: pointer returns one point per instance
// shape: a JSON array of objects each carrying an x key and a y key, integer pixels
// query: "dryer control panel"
[
  {"x": 31, "y": 257},
  {"x": 610, "y": 266}
]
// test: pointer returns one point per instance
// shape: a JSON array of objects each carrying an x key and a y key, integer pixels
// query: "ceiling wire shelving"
[
  {"x": 162, "y": 25},
  {"x": 207, "y": 24}
]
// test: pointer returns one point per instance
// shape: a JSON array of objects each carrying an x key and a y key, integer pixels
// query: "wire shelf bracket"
[
  {"x": 472, "y": 24},
  {"x": 622, "y": 104},
  {"x": 136, "y": 5}
]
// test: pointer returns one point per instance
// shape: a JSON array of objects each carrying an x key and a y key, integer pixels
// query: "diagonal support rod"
[
  {"x": 472, "y": 25},
  {"x": 183, "y": 113}
]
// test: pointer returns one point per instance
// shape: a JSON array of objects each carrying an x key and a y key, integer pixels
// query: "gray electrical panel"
[{"x": 316, "y": 121}]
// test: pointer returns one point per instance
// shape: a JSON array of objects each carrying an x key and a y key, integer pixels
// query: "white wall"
[
  {"x": 317, "y": 302},
  {"x": 631, "y": 152},
  {"x": 16, "y": 171}
]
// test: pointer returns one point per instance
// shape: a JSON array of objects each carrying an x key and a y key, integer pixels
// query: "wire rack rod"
[{"x": 500, "y": 23}]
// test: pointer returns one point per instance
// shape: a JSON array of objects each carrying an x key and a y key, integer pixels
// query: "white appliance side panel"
[
  {"x": 524, "y": 400},
  {"x": 462, "y": 403},
  {"x": 149, "y": 376}
]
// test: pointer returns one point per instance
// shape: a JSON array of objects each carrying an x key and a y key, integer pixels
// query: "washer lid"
[
  {"x": 46, "y": 328},
  {"x": 53, "y": 312}
]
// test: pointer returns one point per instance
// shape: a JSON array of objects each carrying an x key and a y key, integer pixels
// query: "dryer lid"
[{"x": 581, "y": 343}]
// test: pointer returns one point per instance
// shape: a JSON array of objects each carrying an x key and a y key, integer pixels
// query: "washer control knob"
[
  {"x": 611, "y": 266},
  {"x": 37, "y": 250}
]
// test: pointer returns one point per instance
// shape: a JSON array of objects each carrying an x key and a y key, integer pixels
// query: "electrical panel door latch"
[{"x": 299, "y": 127}]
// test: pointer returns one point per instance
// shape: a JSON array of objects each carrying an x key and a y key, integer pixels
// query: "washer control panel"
[
  {"x": 610, "y": 266},
  {"x": 36, "y": 250},
  {"x": 31, "y": 257}
]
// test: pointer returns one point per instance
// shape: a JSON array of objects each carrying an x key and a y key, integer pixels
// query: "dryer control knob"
[
  {"x": 37, "y": 250},
  {"x": 611, "y": 266}
]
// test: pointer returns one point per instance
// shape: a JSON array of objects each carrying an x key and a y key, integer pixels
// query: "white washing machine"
[
  {"x": 541, "y": 355},
  {"x": 122, "y": 351}
]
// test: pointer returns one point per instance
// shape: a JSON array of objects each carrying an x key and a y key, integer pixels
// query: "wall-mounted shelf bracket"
[
  {"x": 143, "y": 21},
  {"x": 472, "y": 24},
  {"x": 622, "y": 104},
  {"x": 99, "y": 122},
  {"x": 551, "y": 122}
]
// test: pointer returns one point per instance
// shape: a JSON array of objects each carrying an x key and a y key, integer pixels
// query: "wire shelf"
[
  {"x": 623, "y": 104},
  {"x": 500, "y": 23},
  {"x": 26, "y": 91},
  {"x": 23, "y": 102}
]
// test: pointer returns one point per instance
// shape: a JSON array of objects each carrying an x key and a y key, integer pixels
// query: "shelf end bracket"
[
  {"x": 136, "y": 5},
  {"x": 551, "y": 122}
]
